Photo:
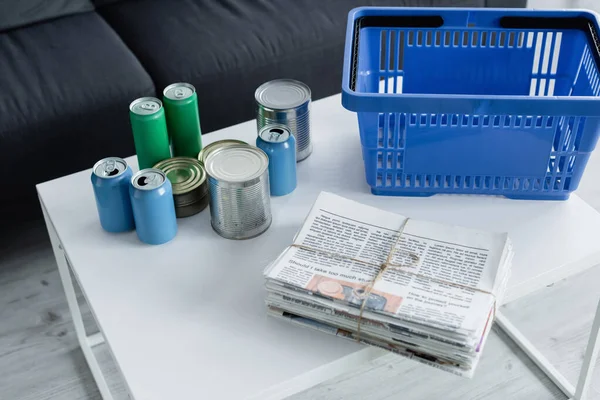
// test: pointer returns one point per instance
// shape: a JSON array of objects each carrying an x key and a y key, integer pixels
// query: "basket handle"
[
  {"x": 436, "y": 21},
  {"x": 389, "y": 21},
  {"x": 580, "y": 23}
]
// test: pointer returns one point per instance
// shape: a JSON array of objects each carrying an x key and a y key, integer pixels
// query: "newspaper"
[{"x": 436, "y": 294}]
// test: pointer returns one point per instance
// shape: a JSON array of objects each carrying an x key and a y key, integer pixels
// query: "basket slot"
[
  {"x": 412, "y": 56},
  {"x": 545, "y": 62},
  {"x": 580, "y": 23}
]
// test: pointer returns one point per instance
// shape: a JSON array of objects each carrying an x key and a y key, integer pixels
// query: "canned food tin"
[
  {"x": 238, "y": 179},
  {"x": 286, "y": 102},
  {"x": 149, "y": 127},
  {"x": 190, "y": 190},
  {"x": 110, "y": 179},
  {"x": 153, "y": 207},
  {"x": 183, "y": 119},
  {"x": 280, "y": 146},
  {"x": 216, "y": 145}
]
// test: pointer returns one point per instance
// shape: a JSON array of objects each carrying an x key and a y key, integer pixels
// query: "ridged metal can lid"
[
  {"x": 282, "y": 94},
  {"x": 179, "y": 91},
  {"x": 148, "y": 179},
  {"x": 110, "y": 167},
  {"x": 185, "y": 173},
  {"x": 236, "y": 163},
  {"x": 274, "y": 133},
  {"x": 145, "y": 106},
  {"x": 206, "y": 150}
]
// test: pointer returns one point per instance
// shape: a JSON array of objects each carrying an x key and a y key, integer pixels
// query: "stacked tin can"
[
  {"x": 238, "y": 178},
  {"x": 286, "y": 102},
  {"x": 190, "y": 189}
]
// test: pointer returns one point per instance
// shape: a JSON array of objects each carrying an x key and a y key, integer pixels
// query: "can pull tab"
[
  {"x": 110, "y": 168},
  {"x": 275, "y": 134},
  {"x": 149, "y": 106},
  {"x": 179, "y": 93},
  {"x": 147, "y": 179}
]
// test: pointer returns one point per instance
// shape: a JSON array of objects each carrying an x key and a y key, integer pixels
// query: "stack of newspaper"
[{"x": 430, "y": 290}]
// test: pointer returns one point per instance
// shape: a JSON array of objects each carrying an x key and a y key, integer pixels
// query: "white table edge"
[
  {"x": 87, "y": 342},
  {"x": 347, "y": 363}
]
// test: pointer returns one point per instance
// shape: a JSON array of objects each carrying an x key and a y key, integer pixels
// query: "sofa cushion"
[
  {"x": 18, "y": 13},
  {"x": 227, "y": 48},
  {"x": 65, "y": 89}
]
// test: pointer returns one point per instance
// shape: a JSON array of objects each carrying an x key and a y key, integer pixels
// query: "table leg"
[
  {"x": 86, "y": 342},
  {"x": 534, "y": 354},
  {"x": 589, "y": 361}
]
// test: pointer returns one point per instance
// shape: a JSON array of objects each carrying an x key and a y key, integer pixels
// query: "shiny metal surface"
[{"x": 286, "y": 102}]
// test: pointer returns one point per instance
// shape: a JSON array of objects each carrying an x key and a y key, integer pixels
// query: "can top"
[
  {"x": 274, "y": 133},
  {"x": 110, "y": 167},
  {"x": 148, "y": 179},
  {"x": 282, "y": 94},
  {"x": 179, "y": 91},
  {"x": 216, "y": 145},
  {"x": 185, "y": 173},
  {"x": 145, "y": 105},
  {"x": 236, "y": 163}
]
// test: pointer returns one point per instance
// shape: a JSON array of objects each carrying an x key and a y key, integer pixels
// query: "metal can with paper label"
[
  {"x": 280, "y": 146},
  {"x": 110, "y": 179},
  {"x": 153, "y": 206},
  {"x": 238, "y": 180}
]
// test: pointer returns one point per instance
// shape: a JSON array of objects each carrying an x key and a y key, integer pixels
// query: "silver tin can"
[
  {"x": 190, "y": 187},
  {"x": 238, "y": 181},
  {"x": 209, "y": 148},
  {"x": 286, "y": 102}
]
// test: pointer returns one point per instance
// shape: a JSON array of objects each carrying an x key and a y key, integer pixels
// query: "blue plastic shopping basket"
[{"x": 473, "y": 101}]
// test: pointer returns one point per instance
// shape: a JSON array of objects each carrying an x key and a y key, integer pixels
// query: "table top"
[{"x": 198, "y": 301}]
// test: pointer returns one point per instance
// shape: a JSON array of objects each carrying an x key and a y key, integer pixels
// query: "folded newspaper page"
[{"x": 429, "y": 289}]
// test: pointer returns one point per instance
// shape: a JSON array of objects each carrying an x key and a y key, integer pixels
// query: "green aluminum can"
[
  {"x": 183, "y": 120},
  {"x": 150, "y": 135}
]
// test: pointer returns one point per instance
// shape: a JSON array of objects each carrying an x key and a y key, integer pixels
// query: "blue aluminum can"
[
  {"x": 153, "y": 206},
  {"x": 110, "y": 179},
  {"x": 279, "y": 144}
]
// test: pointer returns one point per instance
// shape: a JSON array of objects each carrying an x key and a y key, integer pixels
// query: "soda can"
[
  {"x": 216, "y": 145},
  {"x": 238, "y": 180},
  {"x": 188, "y": 179},
  {"x": 280, "y": 146},
  {"x": 286, "y": 102},
  {"x": 153, "y": 207},
  {"x": 149, "y": 127},
  {"x": 110, "y": 179},
  {"x": 183, "y": 119}
]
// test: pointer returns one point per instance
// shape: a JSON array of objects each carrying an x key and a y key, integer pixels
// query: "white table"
[{"x": 197, "y": 302}]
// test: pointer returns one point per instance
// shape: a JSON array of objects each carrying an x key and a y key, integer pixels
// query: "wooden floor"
[{"x": 40, "y": 358}]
